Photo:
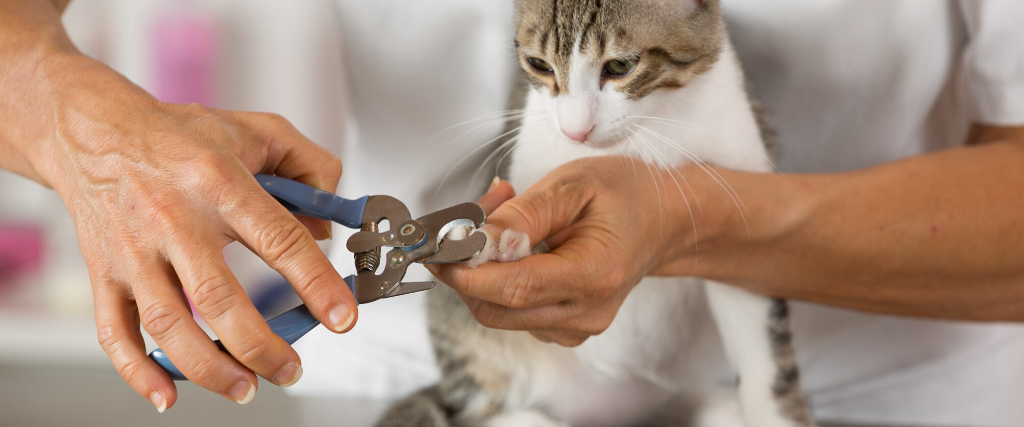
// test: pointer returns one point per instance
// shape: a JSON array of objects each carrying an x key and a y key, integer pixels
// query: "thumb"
[
  {"x": 541, "y": 211},
  {"x": 497, "y": 193}
]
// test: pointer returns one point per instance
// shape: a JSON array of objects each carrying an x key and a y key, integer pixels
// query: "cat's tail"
[{"x": 423, "y": 409}]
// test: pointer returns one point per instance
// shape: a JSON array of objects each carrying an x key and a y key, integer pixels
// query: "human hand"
[
  {"x": 609, "y": 221},
  {"x": 156, "y": 192}
]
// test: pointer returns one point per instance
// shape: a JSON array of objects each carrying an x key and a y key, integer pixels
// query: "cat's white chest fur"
[{"x": 663, "y": 342}]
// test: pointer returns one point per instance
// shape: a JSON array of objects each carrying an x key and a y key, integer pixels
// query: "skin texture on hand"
[
  {"x": 156, "y": 192},
  {"x": 600, "y": 227},
  {"x": 936, "y": 235}
]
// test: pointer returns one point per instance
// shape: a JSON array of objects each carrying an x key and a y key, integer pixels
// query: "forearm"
[
  {"x": 31, "y": 34},
  {"x": 938, "y": 235}
]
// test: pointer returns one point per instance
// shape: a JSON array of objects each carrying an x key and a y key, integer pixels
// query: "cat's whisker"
[
  {"x": 686, "y": 152},
  {"x": 671, "y": 122},
  {"x": 664, "y": 165},
  {"x": 499, "y": 149},
  {"x": 508, "y": 152},
  {"x": 487, "y": 116},
  {"x": 654, "y": 179},
  {"x": 491, "y": 122},
  {"x": 516, "y": 140},
  {"x": 464, "y": 158},
  {"x": 633, "y": 164},
  {"x": 719, "y": 179},
  {"x": 624, "y": 156},
  {"x": 689, "y": 208},
  {"x": 667, "y": 121}
]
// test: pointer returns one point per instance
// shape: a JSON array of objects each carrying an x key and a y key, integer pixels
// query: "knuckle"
[
  {"x": 596, "y": 328},
  {"x": 611, "y": 282},
  {"x": 570, "y": 181},
  {"x": 209, "y": 177},
  {"x": 201, "y": 370},
  {"x": 254, "y": 348},
  {"x": 280, "y": 239},
  {"x": 529, "y": 208},
  {"x": 278, "y": 121},
  {"x": 212, "y": 169},
  {"x": 312, "y": 280},
  {"x": 213, "y": 296},
  {"x": 593, "y": 322},
  {"x": 130, "y": 371},
  {"x": 108, "y": 336},
  {"x": 197, "y": 109},
  {"x": 163, "y": 209},
  {"x": 161, "y": 321},
  {"x": 332, "y": 168}
]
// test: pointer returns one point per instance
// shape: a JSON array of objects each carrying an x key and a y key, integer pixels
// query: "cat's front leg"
[{"x": 758, "y": 343}]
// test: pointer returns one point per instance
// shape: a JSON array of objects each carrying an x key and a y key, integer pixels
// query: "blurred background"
[{"x": 254, "y": 55}]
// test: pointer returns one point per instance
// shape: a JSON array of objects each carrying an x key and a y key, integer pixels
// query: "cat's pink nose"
[{"x": 577, "y": 135}]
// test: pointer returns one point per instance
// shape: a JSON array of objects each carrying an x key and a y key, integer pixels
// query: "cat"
[{"x": 656, "y": 80}]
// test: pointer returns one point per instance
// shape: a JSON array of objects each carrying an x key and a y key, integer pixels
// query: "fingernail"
[
  {"x": 330, "y": 231},
  {"x": 288, "y": 375},
  {"x": 157, "y": 399},
  {"x": 341, "y": 318},
  {"x": 494, "y": 184},
  {"x": 243, "y": 392}
]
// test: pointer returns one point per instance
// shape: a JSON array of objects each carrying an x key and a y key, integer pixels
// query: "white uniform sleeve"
[{"x": 993, "y": 62}]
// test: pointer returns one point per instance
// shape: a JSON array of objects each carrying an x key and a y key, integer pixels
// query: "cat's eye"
[
  {"x": 619, "y": 67},
  {"x": 539, "y": 64}
]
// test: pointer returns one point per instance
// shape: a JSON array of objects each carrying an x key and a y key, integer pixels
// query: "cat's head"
[{"x": 597, "y": 61}]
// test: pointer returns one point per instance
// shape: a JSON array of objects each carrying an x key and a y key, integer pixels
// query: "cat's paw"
[
  {"x": 509, "y": 246},
  {"x": 513, "y": 246}
]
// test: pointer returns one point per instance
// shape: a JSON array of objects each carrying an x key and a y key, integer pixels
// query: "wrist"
[
  {"x": 740, "y": 220},
  {"x": 79, "y": 107},
  {"x": 31, "y": 51}
]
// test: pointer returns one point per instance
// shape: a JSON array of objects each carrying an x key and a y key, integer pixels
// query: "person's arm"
[
  {"x": 937, "y": 235},
  {"x": 156, "y": 191}
]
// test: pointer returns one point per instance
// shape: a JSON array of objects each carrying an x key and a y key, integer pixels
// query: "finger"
[
  {"x": 289, "y": 154},
  {"x": 495, "y": 316},
  {"x": 222, "y": 302},
  {"x": 117, "y": 327},
  {"x": 286, "y": 151},
  {"x": 283, "y": 243},
  {"x": 497, "y": 193},
  {"x": 567, "y": 323},
  {"x": 319, "y": 229},
  {"x": 534, "y": 281},
  {"x": 169, "y": 321},
  {"x": 547, "y": 207}
]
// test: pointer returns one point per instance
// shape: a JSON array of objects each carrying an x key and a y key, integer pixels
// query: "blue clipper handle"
[
  {"x": 291, "y": 325},
  {"x": 313, "y": 202}
]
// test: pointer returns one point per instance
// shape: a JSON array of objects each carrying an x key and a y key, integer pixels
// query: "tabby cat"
[{"x": 656, "y": 80}]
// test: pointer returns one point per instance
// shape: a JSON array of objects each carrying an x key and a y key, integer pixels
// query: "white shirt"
[{"x": 848, "y": 83}]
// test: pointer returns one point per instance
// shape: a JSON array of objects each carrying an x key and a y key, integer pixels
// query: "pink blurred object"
[
  {"x": 21, "y": 250},
  {"x": 185, "y": 49}
]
